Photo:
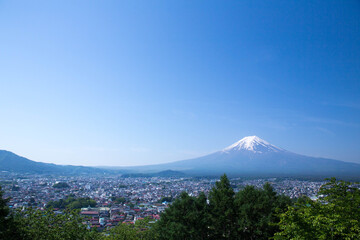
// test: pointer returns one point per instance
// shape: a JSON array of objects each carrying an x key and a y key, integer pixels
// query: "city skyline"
[{"x": 138, "y": 83}]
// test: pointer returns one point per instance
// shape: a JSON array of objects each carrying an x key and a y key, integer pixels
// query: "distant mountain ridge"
[
  {"x": 166, "y": 173},
  {"x": 11, "y": 162}
]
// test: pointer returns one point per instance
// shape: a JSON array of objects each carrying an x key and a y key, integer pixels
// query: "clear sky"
[{"x": 141, "y": 82}]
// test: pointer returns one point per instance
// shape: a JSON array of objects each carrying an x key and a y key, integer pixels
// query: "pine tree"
[
  {"x": 222, "y": 210},
  {"x": 257, "y": 211},
  {"x": 8, "y": 229},
  {"x": 186, "y": 218},
  {"x": 4, "y": 212}
]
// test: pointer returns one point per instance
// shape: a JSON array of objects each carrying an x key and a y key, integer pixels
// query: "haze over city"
[{"x": 122, "y": 84}]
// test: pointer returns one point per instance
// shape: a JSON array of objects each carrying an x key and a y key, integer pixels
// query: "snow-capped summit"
[{"x": 253, "y": 144}]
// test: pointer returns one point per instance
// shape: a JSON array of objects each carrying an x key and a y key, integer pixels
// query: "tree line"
[
  {"x": 248, "y": 214},
  {"x": 71, "y": 203}
]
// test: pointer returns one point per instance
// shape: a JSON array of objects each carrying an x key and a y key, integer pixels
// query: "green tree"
[
  {"x": 141, "y": 230},
  {"x": 166, "y": 199},
  {"x": 335, "y": 215},
  {"x": 145, "y": 229},
  {"x": 122, "y": 231},
  {"x": 186, "y": 218},
  {"x": 4, "y": 214},
  {"x": 118, "y": 200},
  {"x": 72, "y": 203},
  {"x": 46, "y": 225},
  {"x": 257, "y": 211},
  {"x": 222, "y": 210},
  {"x": 61, "y": 185},
  {"x": 8, "y": 228}
]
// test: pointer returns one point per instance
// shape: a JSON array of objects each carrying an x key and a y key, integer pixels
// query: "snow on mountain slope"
[{"x": 253, "y": 144}]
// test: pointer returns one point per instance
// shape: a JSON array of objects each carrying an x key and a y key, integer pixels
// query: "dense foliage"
[
  {"x": 222, "y": 212},
  {"x": 71, "y": 203},
  {"x": 8, "y": 229},
  {"x": 335, "y": 215},
  {"x": 166, "y": 199},
  {"x": 187, "y": 218},
  {"x": 258, "y": 211},
  {"x": 249, "y": 214},
  {"x": 141, "y": 230},
  {"x": 4, "y": 214},
  {"x": 46, "y": 225},
  {"x": 118, "y": 200},
  {"x": 61, "y": 185}
]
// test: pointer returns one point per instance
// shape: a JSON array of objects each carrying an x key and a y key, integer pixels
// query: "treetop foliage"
[
  {"x": 335, "y": 215},
  {"x": 61, "y": 185},
  {"x": 222, "y": 210},
  {"x": 187, "y": 218},
  {"x": 72, "y": 203}
]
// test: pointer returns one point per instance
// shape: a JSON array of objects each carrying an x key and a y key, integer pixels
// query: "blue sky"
[{"x": 142, "y": 82}]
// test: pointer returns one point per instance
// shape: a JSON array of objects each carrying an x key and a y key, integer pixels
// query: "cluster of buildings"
[
  {"x": 107, "y": 217},
  {"x": 290, "y": 187},
  {"x": 141, "y": 197}
]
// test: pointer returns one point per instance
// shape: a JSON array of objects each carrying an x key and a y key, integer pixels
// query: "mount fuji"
[{"x": 255, "y": 156}]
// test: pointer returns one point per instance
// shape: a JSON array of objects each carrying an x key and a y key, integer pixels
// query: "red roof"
[{"x": 89, "y": 213}]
